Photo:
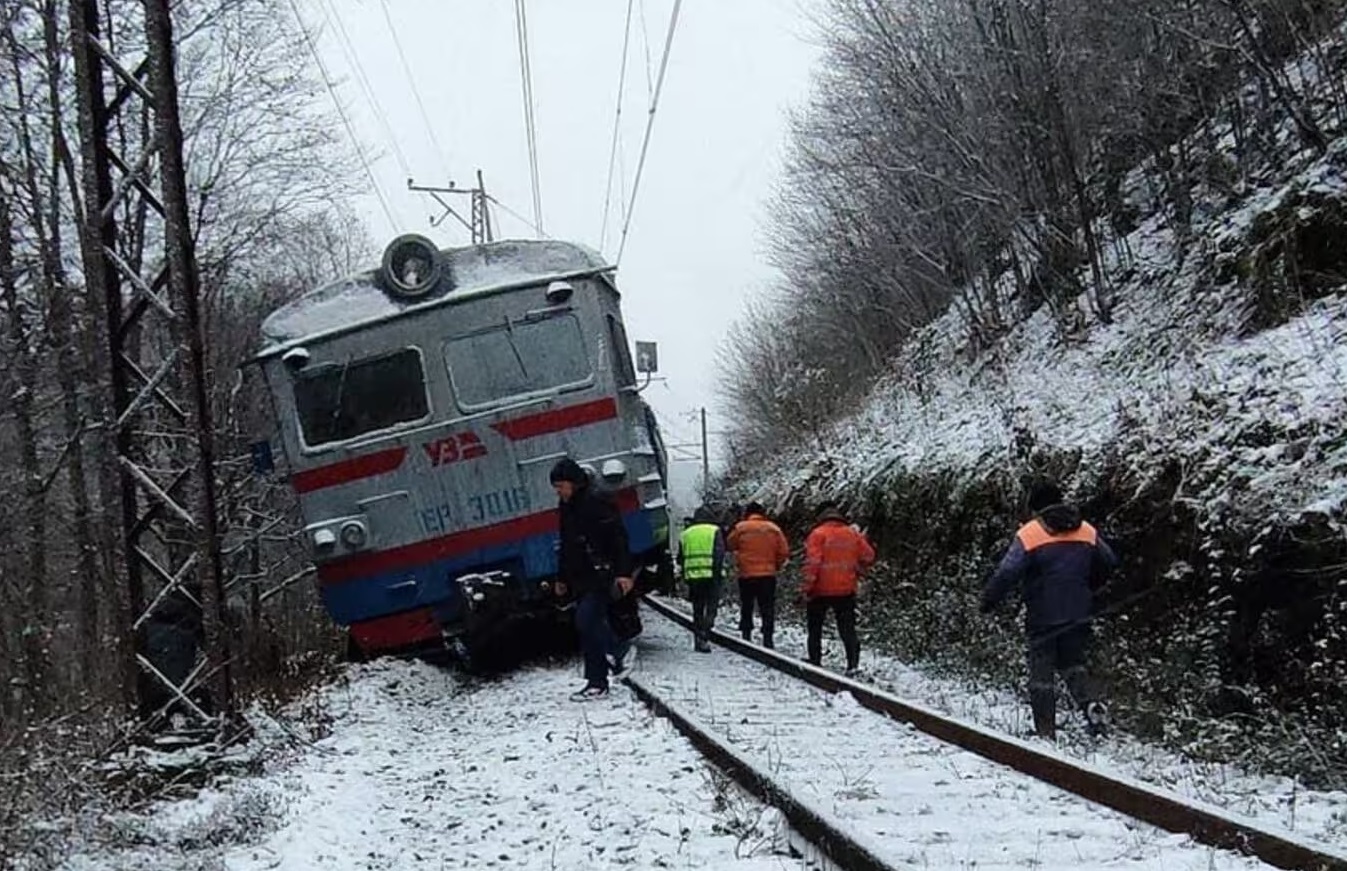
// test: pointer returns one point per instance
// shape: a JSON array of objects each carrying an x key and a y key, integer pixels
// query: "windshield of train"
[
  {"x": 337, "y": 402},
  {"x": 517, "y": 358}
]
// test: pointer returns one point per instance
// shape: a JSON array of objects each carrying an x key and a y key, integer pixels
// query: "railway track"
[{"x": 1204, "y": 824}]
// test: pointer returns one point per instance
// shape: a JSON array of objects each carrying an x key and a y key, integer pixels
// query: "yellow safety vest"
[{"x": 698, "y": 547}]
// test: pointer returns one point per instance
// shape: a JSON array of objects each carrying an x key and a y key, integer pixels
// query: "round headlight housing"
[{"x": 354, "y": 534}]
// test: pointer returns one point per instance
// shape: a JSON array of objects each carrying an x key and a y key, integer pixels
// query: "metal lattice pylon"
[{"x": 160, "y": 432}]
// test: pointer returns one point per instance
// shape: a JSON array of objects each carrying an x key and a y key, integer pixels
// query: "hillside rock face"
[{"x": 1203, "y": 430}]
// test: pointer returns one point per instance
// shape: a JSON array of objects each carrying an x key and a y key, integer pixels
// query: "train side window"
[
  {"x": 337, "y": 402},
  {"x": 518, "y": 358},
  {"x": 623, "y": 370}
]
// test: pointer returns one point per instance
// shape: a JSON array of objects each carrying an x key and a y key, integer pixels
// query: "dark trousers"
[
  {"x": 844, "y": 608},
  {"x": 1057, "y": 650},
  {"x": 762, "y": 592},
  {"x": 596, "y": 636},
  {"x": 705, "y": 598}
]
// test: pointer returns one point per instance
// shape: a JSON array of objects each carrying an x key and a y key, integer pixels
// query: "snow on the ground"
[
  {"x": 1273, "y": 801},
  {"x": 423, "y": 770},
  {"x": 915, "y": 800}
]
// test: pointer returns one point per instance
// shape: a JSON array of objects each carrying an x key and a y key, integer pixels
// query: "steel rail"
[
  {"x": 840, "y": 848},
  {"x": 1165, "y": 810}
]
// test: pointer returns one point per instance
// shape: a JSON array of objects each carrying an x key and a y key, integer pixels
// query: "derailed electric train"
[{"x": 420, "y": 407}]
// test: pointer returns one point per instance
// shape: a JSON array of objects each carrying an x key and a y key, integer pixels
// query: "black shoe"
[
  {"x": 589, "y": 693},
  {"x": 702, "y": 647}
]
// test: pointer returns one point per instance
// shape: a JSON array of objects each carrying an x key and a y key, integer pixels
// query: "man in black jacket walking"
[
  {"x": 594, "y": 564},
  {"x": 1055, "y": 560}
]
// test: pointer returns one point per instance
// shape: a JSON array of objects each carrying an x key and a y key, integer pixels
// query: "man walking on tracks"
[
  {"x": 835, "y": 556},
  {"x": 1056, "y": 560},
  {"x": 594, "y": 564},
  {"x": 701, "y": 555},
  {"x": 760, "y": 550}
]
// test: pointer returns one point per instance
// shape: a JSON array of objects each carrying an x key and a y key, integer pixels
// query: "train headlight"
[
  {"x": 412, "y": 267},
  {"x": 354, "y": 534},
  {"x": 323, "y": 539},
  {"x": 614, "y": 470}
]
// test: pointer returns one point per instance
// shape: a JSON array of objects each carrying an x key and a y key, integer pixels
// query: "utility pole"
[
  {"x": 478, "y": 222},
  {"x": 706, "y": 460},
  {"x": 159, "y": 435}
]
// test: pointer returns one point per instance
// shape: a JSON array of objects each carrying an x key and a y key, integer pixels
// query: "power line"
[
  {"x": 518, "y": 217},
  {"x": 345, "y": 120},
  {"x": 649, "y": 126},
  {"x": 530, "y": 124},
  {"x": 348, "y": 49},
  {"x": 416, "y": 92},
  {"x": 617, "y": 121}
]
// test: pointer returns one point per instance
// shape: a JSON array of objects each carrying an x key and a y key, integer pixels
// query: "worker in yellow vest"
[{"x": 701, "y": 557}]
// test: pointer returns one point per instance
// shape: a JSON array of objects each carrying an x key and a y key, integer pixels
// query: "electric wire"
[
  {"x": 518, "y": 217},
  {"x": 530, "y": 123},
  {"x": 649, "y": 127},
  {"x": 617, "y": 122},
  {"x": 416, "y": 92},
  {"x": 333, "y": 16},
  {"x": 345, "y": 119}
]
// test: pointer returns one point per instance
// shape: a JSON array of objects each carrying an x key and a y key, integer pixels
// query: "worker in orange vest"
[
  {"x": 760, "y": 551},
  {"x": 836, "y": 555}
]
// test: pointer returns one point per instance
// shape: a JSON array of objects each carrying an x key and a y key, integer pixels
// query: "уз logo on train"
[{"x": 456, "y": 448}]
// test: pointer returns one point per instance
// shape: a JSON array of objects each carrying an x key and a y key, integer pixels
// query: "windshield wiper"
[
  {"x": 341, "y": 390},
  {"x": 509, "y": 336}
]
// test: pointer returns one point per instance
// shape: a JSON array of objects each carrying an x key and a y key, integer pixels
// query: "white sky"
[{"x": 695, "y": 249}]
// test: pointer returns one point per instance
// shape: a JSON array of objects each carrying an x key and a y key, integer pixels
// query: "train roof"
[{"x": 358, "y": 300}]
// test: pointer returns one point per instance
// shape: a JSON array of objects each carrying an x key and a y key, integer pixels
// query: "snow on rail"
[{"x": 923, "y": 800}]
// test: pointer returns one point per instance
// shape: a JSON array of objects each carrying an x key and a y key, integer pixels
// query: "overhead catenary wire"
[
  {"x": 530, "y": 122},
  {"x": 352, "y": 55},
  {"x": 617, "y": 124},
  {"x": 649, "y": 127},
  {"x": 416, "y": 92},
  {"x": 518, "y": 217},
  {"x": 345, "y": 119}
]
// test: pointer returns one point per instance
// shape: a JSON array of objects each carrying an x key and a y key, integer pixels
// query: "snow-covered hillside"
[{"x": 1257, "y": 420}]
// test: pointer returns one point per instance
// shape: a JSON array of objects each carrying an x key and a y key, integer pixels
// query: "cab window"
[
  {"x": 515, "y": 359},
  {"x": 336, "y": 402}
]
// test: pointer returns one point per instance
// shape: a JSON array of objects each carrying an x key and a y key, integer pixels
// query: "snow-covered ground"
[
  {"x": 1273, "y": 801},
  {"x": 422, "y": 769}
]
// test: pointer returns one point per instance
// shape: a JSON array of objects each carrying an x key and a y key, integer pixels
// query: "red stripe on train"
[
  {"x": 558, "y": 419},
  {"x": 396, "y": 630},
  {"x": 354, "y": 469},
  {"x": 454, "y": 544}
]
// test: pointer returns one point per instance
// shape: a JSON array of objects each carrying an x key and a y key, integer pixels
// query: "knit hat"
[
  {"x": 569, "y": 470},
  {"x": 1044, "y": 494}
]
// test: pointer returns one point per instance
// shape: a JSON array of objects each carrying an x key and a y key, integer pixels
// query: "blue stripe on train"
[{"x": 530, "y": 560}]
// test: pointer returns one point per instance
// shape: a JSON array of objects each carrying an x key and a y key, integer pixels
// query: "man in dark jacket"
[
  {"x": 1056, "y": 560},
  {"x": 594, "y": 564}
]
